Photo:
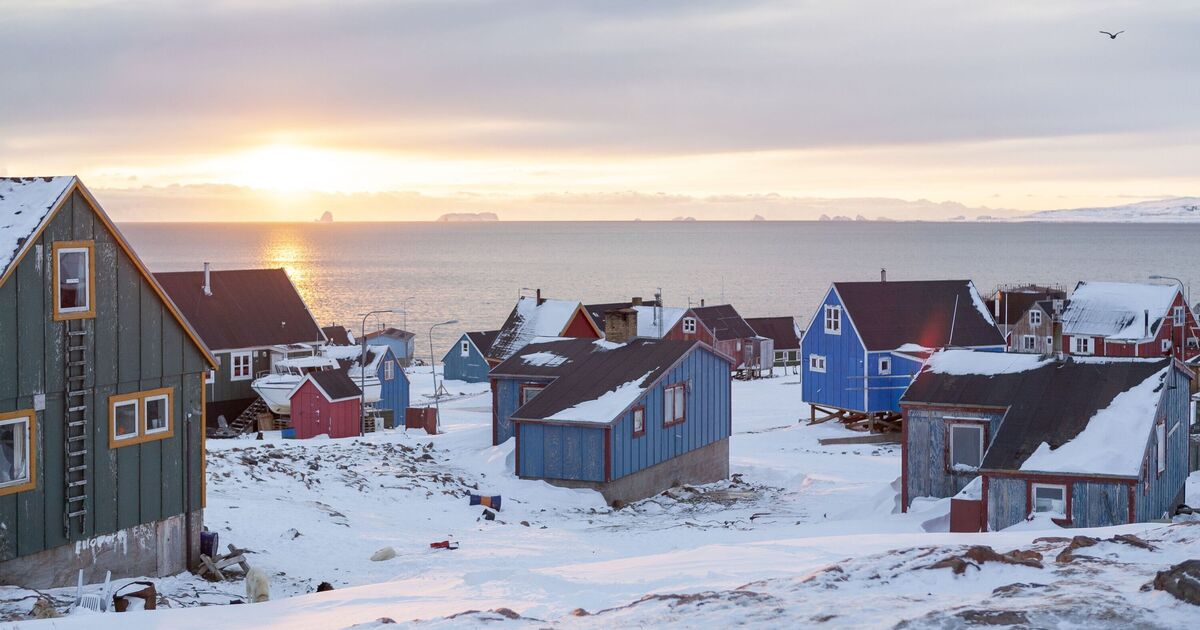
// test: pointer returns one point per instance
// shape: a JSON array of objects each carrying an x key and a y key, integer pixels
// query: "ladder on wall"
[{"x": 75, "y": 428}]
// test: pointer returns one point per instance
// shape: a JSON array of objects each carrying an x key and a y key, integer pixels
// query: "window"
[
  {"x": 1050, "y": 499},
  {"x": 885, "y": 365},
  {"x": 833, "y": 319},
  {"x": 816, "y": 362},
  {"x": 639, "y": 421},
  {"x": 689, "y": 325},
  {"x": 73, "y": 273},
  {"x": 529, "y": 392},
  {"x": 464, "y": 348},
  {"x": 389, "y": 370},
  {"x": 674, "y": 404},
  {"x": 210, "y": 376},
  {"x": 241, "y": 365},
  {"x": 1177, "y": 315},
  {"x": 1160, "y": 432},
  {"x": 17, "y": 451},
  {"x": 1166, "y": 345},
  {"x": 1082, "y": 345},
  {"x": 140, "y": 417},
  {"x": 966, "y": 446},
  {"x": 1049, "y": 344},
  {"x": 1028, "y": 343},
  {"x": 779, "y": 356},
  {"x": 1035, "y": 317}
]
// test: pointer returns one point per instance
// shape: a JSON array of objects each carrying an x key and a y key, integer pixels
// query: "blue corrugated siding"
[
  {"x": 561, "y": 452},
  {"x": 925, "y": 451},
  {"x": 841, "y": 385},
  {"x": 508, "y": 399},
  {"x": 1099, "y": 504},
  {"x": 472, "y": 368},
  {"x": 707, "y": 416},
  {"x": 1006, "y": 502},
  {"x": 393, "y": 394},
  {"x": 1156, "y": 494}
]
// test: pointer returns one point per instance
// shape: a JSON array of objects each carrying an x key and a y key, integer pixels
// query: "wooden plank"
[
  {"x": 128, "y": 487},
  {"x": 31, "y": 329},
  {"x": 50, "y": 461},
  {"x": 171, "y": 469},
  {"x": 151, "y": 333},
  {"x": 150, "y": 469},
  {"x": 129, "y": 333},
  {"x": 876, "y": 438},
  {"x": 8, "y": 340}
]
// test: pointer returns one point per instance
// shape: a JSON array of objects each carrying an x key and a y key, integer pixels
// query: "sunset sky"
[{"x": 277, "y": 110}]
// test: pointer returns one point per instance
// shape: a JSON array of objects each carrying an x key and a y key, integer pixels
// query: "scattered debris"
[
  {"x": 44, "y": 608},
  {"x": 444, "y": 544},
  {"x": 324, "y": 586},
  {"x": 486, "y": 501},
  {"x": 488, "y": 515}
]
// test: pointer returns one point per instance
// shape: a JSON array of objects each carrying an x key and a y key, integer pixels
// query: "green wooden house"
[{"x": 101, "y": 398}]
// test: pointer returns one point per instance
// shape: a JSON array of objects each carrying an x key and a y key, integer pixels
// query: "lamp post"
[
  {"x": 1186, "y": 305},
  {"x": 362, "y": 367},
  {"x": 404, "y": 307},
  {"x": 433, "y": 372}
]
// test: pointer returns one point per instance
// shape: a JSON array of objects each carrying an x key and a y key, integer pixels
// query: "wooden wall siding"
[
  {"x": 472, "y": 368},
  {"x": 134, "y": 344},
  {"x": 1005, "y": 502},
  {"x": 708, "y": 417},
  {"x": 925, "y": 451},
  {"x": 313, "y": 415},
  {"x": 561, "y": 452},
  {"x": 225, "y": 388},
  {"x": 393, "y": 394},
  {"x": 1041, "y": 332},
  {"x": 508, "y": 399},
  {"x": 841, "y": 385},
  {"x": 1099, "y": 503},
  {"x": 884, "y": 390},
  {"x": 1156, "y": 494}
]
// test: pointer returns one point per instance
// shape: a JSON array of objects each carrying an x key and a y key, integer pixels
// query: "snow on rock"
[
  {"x": 24, "y": 203},
  {"x": 1101, "y": 448},
  {"x": 607, "y": 406},
  {"x": 963, "y": 362},
  {"x": 1173, "y": 210},
  {"x": 1117, "y": 310}
]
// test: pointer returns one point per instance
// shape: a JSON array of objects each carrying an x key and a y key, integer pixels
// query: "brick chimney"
[
  {"x": 620, "y": 325},
  {"x": 540, "y": 301},
  {"x": 636, "y": 301}
]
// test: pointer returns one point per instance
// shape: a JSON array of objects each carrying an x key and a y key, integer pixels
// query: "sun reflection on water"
[{"x": 289, "y": 249}]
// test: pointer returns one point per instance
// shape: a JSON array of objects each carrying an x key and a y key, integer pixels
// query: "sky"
[{"x": 612, "y": 109}]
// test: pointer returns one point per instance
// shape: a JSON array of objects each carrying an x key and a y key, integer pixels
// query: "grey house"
[{"x": 101, "y": 398}]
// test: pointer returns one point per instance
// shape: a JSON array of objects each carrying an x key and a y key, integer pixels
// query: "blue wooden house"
[
  {"x": 1086, "y": 442},
  {"x": 628, "y": 419},
  {"x": 393, "y": 382},
  {"x": 868, "y": 339},
  {"x": 402, "y": 343},
  {"x": 467, "y": 358}
]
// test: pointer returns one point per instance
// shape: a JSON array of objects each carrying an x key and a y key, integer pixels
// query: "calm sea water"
[{"x": 473, "y": 272}]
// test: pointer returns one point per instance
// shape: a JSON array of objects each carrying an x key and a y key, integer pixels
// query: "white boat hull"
[{"x": 277, "y": 393}]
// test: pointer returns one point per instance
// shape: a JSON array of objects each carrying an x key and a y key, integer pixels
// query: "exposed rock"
[
  {"x": 994, "y": 617},
  {"x": 43, "y": 608},
  {"x": 1182, "y": 581},
  {"x": 1078, "y": 542},
  {"x": 980, "y": 554},
  {"x": 1130, "y": 539},
  {"x": 507, "y": 613},
  {"x": 387, "y": 553},
  {"x": 579, "y": 612}
]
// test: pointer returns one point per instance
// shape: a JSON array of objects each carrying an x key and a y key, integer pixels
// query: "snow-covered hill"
[{"x": 1177, "y": 210}]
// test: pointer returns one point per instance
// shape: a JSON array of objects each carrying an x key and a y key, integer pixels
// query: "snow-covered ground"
[{"x": 802, "y": 534}]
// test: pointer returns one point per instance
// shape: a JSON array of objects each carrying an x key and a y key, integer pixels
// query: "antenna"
[{"x": 953, "y": 319}]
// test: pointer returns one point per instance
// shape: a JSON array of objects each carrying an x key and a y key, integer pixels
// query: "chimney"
[
  {"x": 637, "y": 301},
  {"x": 883, "y": 275},
  {"x": 540, "y": 301},
  {"x": 701, "y": 302},
  {"x": 996, "y": 305},
  {"x": 1146, "y": 323},
  {"x": 207, "y": 280},
  {"x": 620, "y": 325},
  {"x": 1057, "y": 331}
]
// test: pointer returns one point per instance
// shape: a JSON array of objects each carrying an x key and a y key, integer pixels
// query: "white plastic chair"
[{"x": 95, "y": 602}]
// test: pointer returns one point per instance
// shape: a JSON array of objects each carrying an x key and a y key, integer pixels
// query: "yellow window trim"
[
  {"x": 31, "y": 415},
  {"x": 90, "y": 246},
  {"x": 140, "y": 398}
]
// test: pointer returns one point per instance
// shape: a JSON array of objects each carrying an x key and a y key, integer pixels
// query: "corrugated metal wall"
[
  {"x": 841, "y": 385},
  {"x": 134, "y": 345},
  {"x": 1099, "y": 504},
  {"x": 708, "y": 419},
  {"x": 1155, "y": 495},
  {"x": 926, "y": 451},
  {"x": 561, "y": 452}
]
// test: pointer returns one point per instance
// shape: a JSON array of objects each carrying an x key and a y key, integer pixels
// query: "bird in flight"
[{"x": 1112, "y": 35}]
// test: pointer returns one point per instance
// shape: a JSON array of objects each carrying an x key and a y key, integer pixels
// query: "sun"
[{"x": 290, "y": 168}]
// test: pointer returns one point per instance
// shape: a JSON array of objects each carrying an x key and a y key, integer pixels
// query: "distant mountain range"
[{"x": 1177, "y": 210}]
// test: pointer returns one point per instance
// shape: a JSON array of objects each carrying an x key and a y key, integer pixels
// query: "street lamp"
[
  {"x": 1186, "y": 305},
  {"x": 362, "y": 368},
  {"x": 404, "y": 307},
  {"x": 433, "y": 372}
]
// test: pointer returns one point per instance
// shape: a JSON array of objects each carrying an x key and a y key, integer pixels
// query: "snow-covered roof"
[
  {"x": 25, "y": 204},
  {"x": 963, "y": 362},
  {"x": 529, "y": 320},
  {"x": 648, "y": 328},
  {"x": 1117, "y": 310}
]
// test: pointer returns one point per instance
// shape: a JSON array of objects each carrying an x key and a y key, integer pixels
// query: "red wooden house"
[
  {"x": 327, "y": 403},
  {"x": 1119, "y": 319},
  {"x": 540, "y": 318},
  {"x": 727, "y": 332}
]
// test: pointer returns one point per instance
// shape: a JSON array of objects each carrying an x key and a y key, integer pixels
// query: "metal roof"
[
  {"x": 888, "y": 315},
  {"x": 724, "y": 321},
  {"x": 782, "y": 330}
]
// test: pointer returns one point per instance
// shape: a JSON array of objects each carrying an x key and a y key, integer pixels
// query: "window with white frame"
[
  {"x": 966, "y": 446},
  {"x": 639, "y": 421},
  {"x": 1083, "y": 345},
  {"x": 1177, "y": 316},
  {"x": 73, "y": 277},
  {"x": 464, "y": 349},
  {"x": 1028, "y": 343},
  {"x": 1049, "y": 499},
  {"x": 1160, "y": 433},
  {"x": 674, "y": 404},
  {"x": 779, "y": 356},
  {"x": 140, "y": 417},
  {"x": 1166, "y": 345},
  {"x": 241, "y": 365},
  {"x": 389, "y": 370},
  {"x": 885, "y": 366},
  {"x": 1049, "y": 344},
  {"x": 125, "y": 420},
  {"x": 816, "y": 362},
  {"x": 1035, "y": 317},
  {"x": 529, "y": 392},
  {"x": 17, "y": 451},
  {"x": 156, "y": 410},
  {"x": 833, "y": 319},
  {"x": 689, "y": 325},
  {"x": 210, "y": 376}
]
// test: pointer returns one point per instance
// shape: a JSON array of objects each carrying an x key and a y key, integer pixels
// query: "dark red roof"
[
  {"x": 888, "y": 315},
  {"x": 336, "y": 384},
  {"x": 337, "y": 335},
  {"x": 248, "y": 308},
  {"x": 782, "y": 330},
  {"x": 725, "y": 322}
]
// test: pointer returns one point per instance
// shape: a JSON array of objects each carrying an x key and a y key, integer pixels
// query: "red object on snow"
[{"x": 445, "y": 544}]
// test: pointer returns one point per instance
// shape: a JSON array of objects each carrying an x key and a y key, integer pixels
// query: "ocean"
[{"x": 473, "y": 272}]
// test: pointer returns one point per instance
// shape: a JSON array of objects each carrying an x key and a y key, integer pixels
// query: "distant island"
[
  {"x": 758, "y": 217},
  {"x": 468, "y": 217},
  {"x": 684, "y": 219},
  {"x": 326, "y": 217}
]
